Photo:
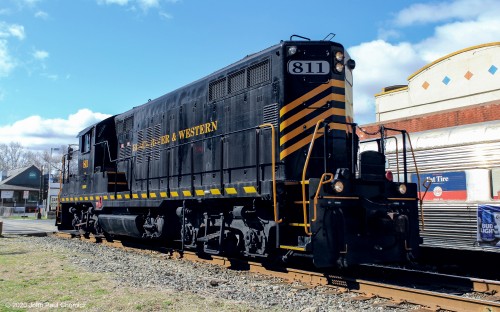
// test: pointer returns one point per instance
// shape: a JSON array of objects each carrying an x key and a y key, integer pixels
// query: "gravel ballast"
[{"x": 153, "y": 270}]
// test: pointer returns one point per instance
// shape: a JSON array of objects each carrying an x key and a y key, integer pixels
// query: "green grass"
[{"x": 35, "y": 279}]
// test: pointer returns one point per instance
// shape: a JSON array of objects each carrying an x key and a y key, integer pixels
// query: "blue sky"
[{"x": 66, "y": 64}]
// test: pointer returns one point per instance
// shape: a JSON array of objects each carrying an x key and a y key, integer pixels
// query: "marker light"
[
  {"x": 338, "y": 186},
  {"x": 339, "y": 67},
  {"x": 292, "y": 50},
  {"x": 389, "y": 176},
  {"x": 402, "y": 189},
  {"x": 339, "y": 56}
]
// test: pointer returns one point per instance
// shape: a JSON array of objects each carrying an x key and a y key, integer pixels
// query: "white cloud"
[
  {"x": 40, "y": 54},
  {"x": 165, "y": 15},
  {"x": 42, "y": 15},
  {"x": 145, "y": 5},
  {"x": 420, "y": 13},
  {"x": 6, "y": 61},
  {"x": 119, "y": 2},
  {"x": 380, "y": 63},
  {"x": 455, "y": 36},
  {"x": 148, "y": 4},
  {"x": 11, "y": 30},
  {"x": 35, "y": 132}
]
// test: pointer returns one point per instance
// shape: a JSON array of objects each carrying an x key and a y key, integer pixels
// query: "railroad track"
[{"x": 432, "y": 290}]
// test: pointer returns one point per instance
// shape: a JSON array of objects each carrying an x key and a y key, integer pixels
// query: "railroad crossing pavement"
[{"x": 27, "y": 226}]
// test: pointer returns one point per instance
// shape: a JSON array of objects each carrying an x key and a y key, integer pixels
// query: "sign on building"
[
  {"x": 444, "y": 185},
  {"x": 7, "y": 194}
]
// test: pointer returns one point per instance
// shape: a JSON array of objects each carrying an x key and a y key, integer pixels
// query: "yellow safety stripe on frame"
[
  {"x": 250, "y": 189},
  {"x": 215, "y": 192},
  {"x": 187, "y": 193},
  {"x": 310, "y": 94}
]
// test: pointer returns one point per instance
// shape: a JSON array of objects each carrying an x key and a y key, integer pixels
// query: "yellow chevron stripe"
[
  {"x": 200, "y": 192},
  {"x": 309, "y": 95},
  {"x": 163, "y": 194},
  {"x": 119, "y": 196},
  {"x": 174, "y": 194},
  {"x": 301, "y": 128},
  {"x": 112, "y": 197},
  {"x": 287, "y": 151},
  {"x": 127, "y": 196},
  {"x": 105, "y": 197},
  {"x": 86, "y": 198},
  {"x": 135, "y": 196},
  {"x": 152, "y": 194},
  {"x": 91, "y": 197},
  {"x": 187, "y": 193},
  {"x": 144, "y": 195},
  {"x": 231, "y": 191},
  {"x": 335, "y": 111}
]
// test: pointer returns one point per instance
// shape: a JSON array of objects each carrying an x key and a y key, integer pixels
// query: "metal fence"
[{"x": 12, "y": 211}]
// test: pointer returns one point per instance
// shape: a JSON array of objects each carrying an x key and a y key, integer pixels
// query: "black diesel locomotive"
[{"x": 258, "y": 159}]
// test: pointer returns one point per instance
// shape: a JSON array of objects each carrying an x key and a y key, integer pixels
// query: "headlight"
[
  {"x": 402, "y": 189},
  {"x": 339, "y": 56},
  {"x": 338, "y": 186},
  {"x": 339, "y": 67},
  {"x": 292, "y": 50}
]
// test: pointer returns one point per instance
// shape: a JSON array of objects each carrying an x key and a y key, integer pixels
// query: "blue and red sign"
[{"x": 444, "y": 185}]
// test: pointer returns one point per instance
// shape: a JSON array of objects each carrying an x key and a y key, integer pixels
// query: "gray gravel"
[{"x": 155, "y": 270}]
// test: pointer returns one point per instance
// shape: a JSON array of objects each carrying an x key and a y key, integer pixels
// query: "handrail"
[
  {"x": 273, "y": 169},
  {"x": 306, "y": 164},
  {"x": 397, "y": 154},
  {"x": 421, "y": 198},
  {"x": 321, "y": 182},
  {"x": 58, "y": 206}
]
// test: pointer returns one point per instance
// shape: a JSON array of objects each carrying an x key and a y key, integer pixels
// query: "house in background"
[{"x": 21, "y": 187}]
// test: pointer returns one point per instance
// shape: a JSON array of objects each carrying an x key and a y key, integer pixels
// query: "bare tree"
[{"x": 12, "y": 156}]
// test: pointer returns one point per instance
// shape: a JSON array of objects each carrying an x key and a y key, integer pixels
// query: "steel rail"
[{"x": 430, "y": 299}]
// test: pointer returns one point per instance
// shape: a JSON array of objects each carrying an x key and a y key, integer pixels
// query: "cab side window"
[{"x": 85, "y": 143}]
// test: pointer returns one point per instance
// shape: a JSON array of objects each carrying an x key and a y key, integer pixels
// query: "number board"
[{"x": 298, "y": 67}]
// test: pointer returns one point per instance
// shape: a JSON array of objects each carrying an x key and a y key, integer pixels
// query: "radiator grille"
[
  {"x": 128, "y": 124},
  {"x": 236, "y": 81},
  {"x": 217, "y": 89},
  {"x": 259, "y": 73}
]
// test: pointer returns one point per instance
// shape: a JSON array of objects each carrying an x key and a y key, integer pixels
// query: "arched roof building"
[{"x": 460, "y": 88}]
